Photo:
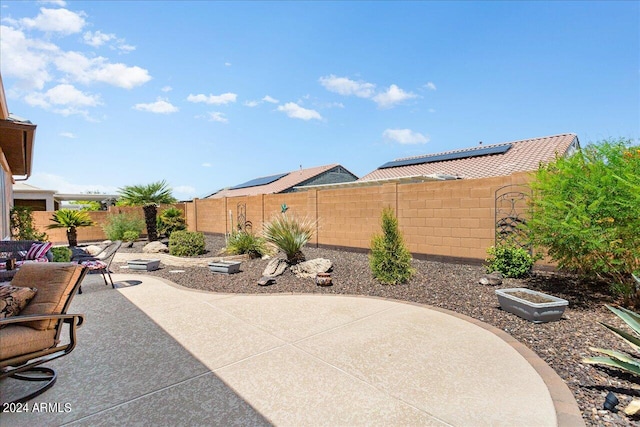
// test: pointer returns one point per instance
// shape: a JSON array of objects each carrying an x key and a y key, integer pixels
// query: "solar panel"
[
  {"x": 260, "y": 181},
  {"x": 476, "y": 152}
]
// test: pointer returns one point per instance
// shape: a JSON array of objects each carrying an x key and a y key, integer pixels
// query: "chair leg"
[
  {"x": 104, "y": 277},
  {"x": 38, "y": 373},
  {"x": 110, "y": 278}
]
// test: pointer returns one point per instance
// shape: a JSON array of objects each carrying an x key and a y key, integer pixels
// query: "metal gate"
[{"x": 512, "y": 209}]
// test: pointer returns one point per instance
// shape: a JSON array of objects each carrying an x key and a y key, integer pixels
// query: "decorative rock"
[
  {"x": 155, "y": 248},
  {"x": 312, "y": 267},
  {"x": 266, "y": 281},
  {"x": 276, "y": 267},
  {"x": 493, "y": 279},
  {"x": 633, "y": 408}
]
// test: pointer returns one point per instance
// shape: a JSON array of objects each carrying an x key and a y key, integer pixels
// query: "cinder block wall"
[
  {"x": 450, "y": 219},
  {"x": 95, "y": 233}
]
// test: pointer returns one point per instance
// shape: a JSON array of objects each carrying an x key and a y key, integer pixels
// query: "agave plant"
[
  {"x": 615, "y": 358},
  {"x": 71, "y": 220},
  {"x": 290, "y": 235}
]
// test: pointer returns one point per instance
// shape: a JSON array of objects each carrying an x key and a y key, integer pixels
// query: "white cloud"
[
  {"x": 394, "y": 95},
  {"x": 405, "y": 136},
  {"x": 346, "y": 86},
  {"x": 68, "y": 135},
  {"x": 161, "y": 106},
  {"x": 227, "y": 64},
  {"x": 252, "y": 103},
  {"x": 430, "y": 86},
  {"x": 97, "y": 39},
  {"x": 295, "y": 111},
  {"x": 87, "y": 70},
  {"x": 62, "y": 95},
  {"x": 48, "y": 181},
  {"x": 61, "y": 21},
  {"x": 167, "y": 89},
  {"x": 217, "y": 117},
  {"x": 206, "y": 165},
  {"x": 269, "y": 99},
  {"x": 25, "y": 59},
  {"x": 222, "y": 99}
]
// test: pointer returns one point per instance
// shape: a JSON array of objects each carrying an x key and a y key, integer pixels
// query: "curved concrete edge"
[{"x": 567, "y": 411}]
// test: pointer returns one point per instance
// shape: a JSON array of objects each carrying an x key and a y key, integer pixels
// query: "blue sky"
[{"x": 212, "y": 94}]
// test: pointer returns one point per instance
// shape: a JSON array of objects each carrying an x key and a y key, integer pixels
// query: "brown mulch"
[{"x": 455, "y": 287}]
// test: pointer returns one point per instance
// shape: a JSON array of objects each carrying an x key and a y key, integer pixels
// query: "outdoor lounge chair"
[
  {"x": 99, "y": 262},
  {"x": 31, "y": 336}
]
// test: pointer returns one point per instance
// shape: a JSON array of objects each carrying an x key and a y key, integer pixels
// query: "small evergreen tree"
[{"x": 390, "y": 260}]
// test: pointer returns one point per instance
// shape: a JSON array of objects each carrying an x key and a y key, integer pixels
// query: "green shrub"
[
  {"x": 585, "y": 211},
  {"x": 61, "y": 254},
  {"x": 511, "y": 261},
  {"x": 130, "y": 236},
  {"x": 244, "y": 242},
  {"x": 170, "y": 220},
  {"x": 390, "y": 260},
  {"x": 289, "y": 234},
  {"x": 22, "y": 228},
  {"x": 117, "y": 225},
  {"x": 186, "y": 243}
]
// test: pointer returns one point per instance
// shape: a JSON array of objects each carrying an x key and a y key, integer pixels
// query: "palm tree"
[
  {"x": 149, "y": 197},
  {"x": 70, "y": 219}
]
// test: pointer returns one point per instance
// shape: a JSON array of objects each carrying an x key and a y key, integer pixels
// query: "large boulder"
[
  {"x": 276, "y": 267},
  {"x": 155, "y": 248},
  {"x": 309, "y": 269}
]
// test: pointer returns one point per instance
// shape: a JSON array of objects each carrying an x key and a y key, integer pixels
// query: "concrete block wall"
[{"x": 444, "y": 218}]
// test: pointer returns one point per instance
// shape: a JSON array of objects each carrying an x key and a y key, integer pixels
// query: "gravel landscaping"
[{"x": 455, "y": 287}]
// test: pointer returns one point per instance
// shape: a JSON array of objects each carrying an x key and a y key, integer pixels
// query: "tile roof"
[
  {"x": 286, "y": 182},
  {"x": 524, "y": 155}
]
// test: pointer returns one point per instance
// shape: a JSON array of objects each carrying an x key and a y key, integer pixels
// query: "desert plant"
[
  {"x": 390, "y": 260},
  {"x": 116, "y": 226},
  {"x": 22, "y": 228},
  {"x": 186, "y": 243},
  {"x": 615, "y": 358},
  {"x": 244, "y": 242},
  {"x": 130, "y": 237},
  {"x": 170, "y": 220},
  {"x": 511, "y": 261},
  {"x": 289, "y": 234},
  {"x": 149, "y": 197},
  {"x": 71, "y": 220},
  {"x": 61, "y": 254},
  {"x": 585, "y": 211}
]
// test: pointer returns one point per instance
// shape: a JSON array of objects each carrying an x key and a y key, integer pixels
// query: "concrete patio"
[{"x": 159, "y": 354}]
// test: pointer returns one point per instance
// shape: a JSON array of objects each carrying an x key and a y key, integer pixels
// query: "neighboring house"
[
  {"x": 481, "y": 161},
  {"x": 50, "y": 200},
  {"x": 285, "y": 182},
  {"x": 37, "y": 199},
  {"x": 16, "y": 155}
]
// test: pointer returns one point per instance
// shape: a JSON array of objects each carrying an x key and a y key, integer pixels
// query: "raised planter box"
[
  {"x": 548, "y": 309},
  {"x": 143, "y": 264},
  {"x": 226, "y": 267}
]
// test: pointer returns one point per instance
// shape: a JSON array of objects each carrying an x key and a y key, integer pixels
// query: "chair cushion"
[
  {"x": 94, "y": 264},
  {"x": 14, "y": 299},
  {"x": 38, "y": 250},
  {"x": 17, "y": 340},
  {"x": 54, "y": 281}
]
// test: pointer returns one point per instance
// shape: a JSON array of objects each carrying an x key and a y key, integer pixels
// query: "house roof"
[
  {"x": 481, "y": 161},
  {"x": 273, "y": 183},
  {"x": 16, "y": 139}
]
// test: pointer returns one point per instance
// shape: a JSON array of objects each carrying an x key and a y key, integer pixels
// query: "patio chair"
[
  {"x": 31, "y": 336},
  {"x": 99, "y": 262}
]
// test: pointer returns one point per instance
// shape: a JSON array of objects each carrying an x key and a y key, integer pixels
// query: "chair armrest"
[{"x": 73, "y": 319}]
